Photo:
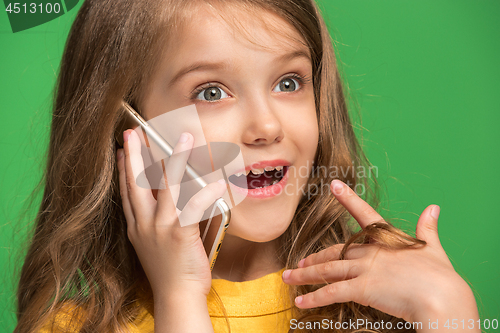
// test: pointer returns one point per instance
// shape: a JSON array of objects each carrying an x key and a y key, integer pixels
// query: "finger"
[
  {"x": 196, "y": 206},
  {"x": 328, "y": 272},
  {"x": 427, "y": 225},
  {"x": 357, "y": 207},
  {"x": 354, "y": 251},
  {"x": 338, "y": 292},
  {"x": 141, "y": 199},
  {"x": 173, "y": 173},
  {"x": 176, "y": 166},
  {"x": 127, "y": 208}
]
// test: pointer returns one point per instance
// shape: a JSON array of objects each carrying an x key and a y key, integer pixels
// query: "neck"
[{"x": 242, "y": 260}]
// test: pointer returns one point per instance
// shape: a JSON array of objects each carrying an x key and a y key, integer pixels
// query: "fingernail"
[
  {"x": 184, "y": 137},
  {"x": 126, "y": 135},
  {"x": 301, "y": 263},
  {"x": 224, "y": 185},
  {"x": 337, "y": 186},
  {"x": 435, "y": 211},
  {"x": 120, "y": 154},
  {"x": 298, "y": 300},
  {"x": 286, "y": 274}
]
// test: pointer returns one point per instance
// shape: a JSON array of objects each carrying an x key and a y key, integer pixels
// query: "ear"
[{"x": 427, "y": 225}]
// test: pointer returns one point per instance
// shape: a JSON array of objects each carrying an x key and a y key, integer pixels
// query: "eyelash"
[{"x": 301, "y": 79}]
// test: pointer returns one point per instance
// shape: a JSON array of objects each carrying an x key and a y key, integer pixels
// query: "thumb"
[{"x": 427, "y": 225}]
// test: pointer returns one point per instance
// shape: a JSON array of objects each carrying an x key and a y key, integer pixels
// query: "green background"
[
  {"x": 26, "y": 14},
  {"x": 425, "y": 76}
]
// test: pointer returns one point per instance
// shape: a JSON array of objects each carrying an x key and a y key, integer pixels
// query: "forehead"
[{"x": 233, "y": 27}]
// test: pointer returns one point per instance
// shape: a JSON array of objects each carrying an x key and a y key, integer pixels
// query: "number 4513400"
[{"x": 27, "y": 8}]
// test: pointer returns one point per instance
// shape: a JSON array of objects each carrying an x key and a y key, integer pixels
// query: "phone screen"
[{"x": 209, "y": 236}]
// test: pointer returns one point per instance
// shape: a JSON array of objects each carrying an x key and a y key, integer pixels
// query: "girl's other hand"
[
  {"x": 172, "y": 256},
  {"x": 416, "y": 284}
]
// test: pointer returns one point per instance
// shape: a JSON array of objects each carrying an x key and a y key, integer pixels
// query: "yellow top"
[{"x": 259, "y": 305}]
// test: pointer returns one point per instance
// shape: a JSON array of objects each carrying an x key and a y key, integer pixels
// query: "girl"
[{"x": 108, "y": 256}]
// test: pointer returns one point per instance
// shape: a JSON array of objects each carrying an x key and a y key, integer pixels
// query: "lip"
[
  {"x": 265, "y": 192},
  {"x": 263, "y": 164}
]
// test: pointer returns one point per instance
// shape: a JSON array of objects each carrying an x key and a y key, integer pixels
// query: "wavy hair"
[{"x": 79, "y": 252}]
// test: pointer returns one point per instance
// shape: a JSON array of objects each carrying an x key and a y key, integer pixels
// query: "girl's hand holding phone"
[
  {"x": 173, "y": 257},
  {"x": 416, "y": 284}
]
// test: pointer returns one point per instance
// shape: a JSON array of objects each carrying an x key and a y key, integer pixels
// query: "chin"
[{"x": 259, "y": 228}]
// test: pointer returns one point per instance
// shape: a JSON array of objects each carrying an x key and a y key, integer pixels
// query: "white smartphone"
[{"x": 212, "y": 231}]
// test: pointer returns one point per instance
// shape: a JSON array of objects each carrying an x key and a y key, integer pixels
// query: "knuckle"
[
  {"x": 331, "y": 290},
  {"x": 354, "y": 270},
  {"x": 177, "y": 236},
  {"x": 194, "y": 203},
  {"x": 123, "y": 192},
  {"x": 333, "y": 252},
  {"x": 326, "y": 268},
  {"x": 430, "y": 227},
  {"x": 130, "y": 181},
  {"x": 366, "y": 210},
  {"x": 305, "y": 275},
  {"x": 370, "y": 212},
  {"x": 368, "y": 262},
  {"x": 319, "y": 257}
]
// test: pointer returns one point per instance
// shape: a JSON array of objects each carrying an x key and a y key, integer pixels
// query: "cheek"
[
  {"x": 313, "y": 135},
  {"x": 306, "y": 137},
  {"x": 312, "y": 130},
  {"x": 303, "y": 128},
  {"x": 220, "y": 124}
]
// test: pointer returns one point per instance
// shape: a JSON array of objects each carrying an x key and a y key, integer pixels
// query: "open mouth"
[{"x": 259, "y": 178}]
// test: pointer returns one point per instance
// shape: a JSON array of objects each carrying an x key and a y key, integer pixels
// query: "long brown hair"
[{"x": 79, "y": 252}]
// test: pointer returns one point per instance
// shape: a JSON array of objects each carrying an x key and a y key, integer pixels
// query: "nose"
[{"x": 262, "y": 123}]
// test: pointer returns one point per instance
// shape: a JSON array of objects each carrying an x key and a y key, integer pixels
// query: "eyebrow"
[{"x": 206, "y": 65}]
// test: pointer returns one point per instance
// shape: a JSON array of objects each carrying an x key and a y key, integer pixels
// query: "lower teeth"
[{"x": 273, "y": 183}]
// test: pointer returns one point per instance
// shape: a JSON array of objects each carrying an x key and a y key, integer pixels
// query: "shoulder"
[{"x": 70, "y": 318}]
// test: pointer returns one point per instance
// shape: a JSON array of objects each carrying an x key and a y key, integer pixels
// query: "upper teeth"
[{"x": 259, "y": 171}]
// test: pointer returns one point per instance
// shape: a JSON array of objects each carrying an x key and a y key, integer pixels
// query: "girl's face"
[{"x": 254, "y": 90}]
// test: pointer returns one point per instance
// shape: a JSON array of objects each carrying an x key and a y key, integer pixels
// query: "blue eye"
[
  {"x": 287, "y": 85},
  {"x": 211, "y": 94}
]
